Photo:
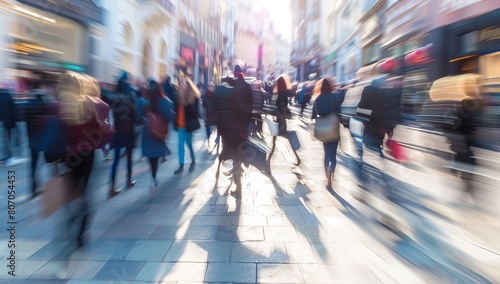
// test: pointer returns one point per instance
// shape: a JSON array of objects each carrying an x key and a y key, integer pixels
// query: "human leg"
[
  {"x": 130, "y": 182},
  {"x": 113, "y": 191},
  {"x": 34, "y": 160},
  {"x": 182, "y": 138}
]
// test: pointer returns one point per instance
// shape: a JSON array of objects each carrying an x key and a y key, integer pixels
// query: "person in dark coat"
[
  {"x": 208, "y": 106},
  {"x": 7, "y": 116},
  {"x": 122, "y": 103},
  {"x": 245, "y": 100},
  {"x": 40, "y": 105},
  {"x": 153, "y": 148},
  {"x": 283, "y": 91},
  {"x": 325, "y": 104},
  {"x": 233, "y": 115},
  {"x": 187, "y": 119}
]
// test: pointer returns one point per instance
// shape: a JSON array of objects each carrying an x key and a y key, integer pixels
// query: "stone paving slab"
[{"x": 287, "y": 228}]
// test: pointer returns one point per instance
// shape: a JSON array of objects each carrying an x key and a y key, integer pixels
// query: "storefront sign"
[{"x": 187, "y": 54}]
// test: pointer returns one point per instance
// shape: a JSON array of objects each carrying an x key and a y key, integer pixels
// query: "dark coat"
[
  {"x": 326, "y": 104},
  {"x": 38, "y": 109},
  {"x": 7, "y": 109},
  {"x": 226, "y": 109},
  {"x": 208, "y": 105},
  {"x": 244, "y": 102}
]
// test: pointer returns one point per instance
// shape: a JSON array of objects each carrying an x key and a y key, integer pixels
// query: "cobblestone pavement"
[{"x": 286, "y": 228}]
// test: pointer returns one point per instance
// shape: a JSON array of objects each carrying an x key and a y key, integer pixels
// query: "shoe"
[
  {"x": 131, "y": 184},
  {"x": 192, "y": 166},
  {"x": 163, "y": 160},
  {"x": 107, "y": 158},
  {"x": 179, "y": 170},
  {"x": 153, "y": 183},
  {"x": 114, "y": 192}
]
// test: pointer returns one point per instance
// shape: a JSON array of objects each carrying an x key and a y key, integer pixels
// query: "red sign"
[{"x": 187, "y": 54}]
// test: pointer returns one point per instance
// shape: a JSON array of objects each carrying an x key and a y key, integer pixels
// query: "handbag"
[
  {"x": 396, "y": 150},
  {"x": 156, "y": 125},
  {"x": 57, "y": 192},
  {"x": 326, "y": 128},
  {"x": 192, "y": 125}
]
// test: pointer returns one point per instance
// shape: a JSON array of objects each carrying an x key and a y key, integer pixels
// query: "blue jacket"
[
  {"x": 326, "y": 104},
  {"x": 152, "y": 147}
]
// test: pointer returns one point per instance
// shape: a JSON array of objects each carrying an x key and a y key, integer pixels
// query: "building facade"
[
  {"x": 140, "y": 38},
  {"x": 308, "y": 47}
]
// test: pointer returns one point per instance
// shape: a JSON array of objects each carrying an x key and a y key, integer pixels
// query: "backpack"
[{"x": 156, "y": 125}]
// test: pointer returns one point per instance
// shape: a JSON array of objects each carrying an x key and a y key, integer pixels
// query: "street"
[{"x": 286, "y": 228}]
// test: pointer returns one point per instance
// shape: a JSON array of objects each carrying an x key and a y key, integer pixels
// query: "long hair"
[
  {"x": 188, "y": 92},
  {"x": 154, "y": 94}
]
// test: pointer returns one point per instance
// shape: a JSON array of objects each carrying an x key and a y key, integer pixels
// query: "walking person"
[
  {"x": 327, "y": 104},
  {"x": 209, "y": 116},
  {"x": 38, "y": 107},
  {"x": 154, "y": 112},
  {"x": 233, "y": 109},
  {"x": 122, "y": 103},
  {"x": 7, "y": 116},
  {"x": 82, "y": 127},
  {"x": 187, "y": 119},
  {"x": 282, "y": 87}
]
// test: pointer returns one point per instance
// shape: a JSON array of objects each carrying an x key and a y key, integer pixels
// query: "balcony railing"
[{"x": 166, "y": 4}]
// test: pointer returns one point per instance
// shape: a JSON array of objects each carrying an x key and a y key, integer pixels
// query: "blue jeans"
[
  {"x": 185, "y": 137},
  {"x": 330, "y": 155}
]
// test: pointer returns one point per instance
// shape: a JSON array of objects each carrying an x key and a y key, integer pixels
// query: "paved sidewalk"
[{"x": 287, "y": 228}]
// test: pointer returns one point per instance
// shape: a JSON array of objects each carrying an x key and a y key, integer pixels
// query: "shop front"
[
  {"x": 474, "y": 45},
  {"x": 42, "y": 43}
]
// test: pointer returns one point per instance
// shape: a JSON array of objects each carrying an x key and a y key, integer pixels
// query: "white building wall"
[{"x": 118, "y": 55}]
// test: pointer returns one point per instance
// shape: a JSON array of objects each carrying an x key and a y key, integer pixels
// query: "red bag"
[
  {"x": 396, "y": 150},
  {"x": 156, "y": 125}
]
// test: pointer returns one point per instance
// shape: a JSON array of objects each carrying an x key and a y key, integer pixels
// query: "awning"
[{"x": 368, "y": 71}]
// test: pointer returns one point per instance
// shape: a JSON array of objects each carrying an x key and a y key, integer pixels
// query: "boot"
[
  {"x": 192, "y": 166},
  {"x": 179, "y": 170}
]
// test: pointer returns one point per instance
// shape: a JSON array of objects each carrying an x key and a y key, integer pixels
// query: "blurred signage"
[{"x": 187, "y": 53}]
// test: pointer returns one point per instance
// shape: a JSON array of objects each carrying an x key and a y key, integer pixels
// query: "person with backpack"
[
  {"x": 155, "y": 113},
  {"x": 187, "y": 119},
  {"x": 80, "y": 127},
  {"x": 122, "y": 103}
]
